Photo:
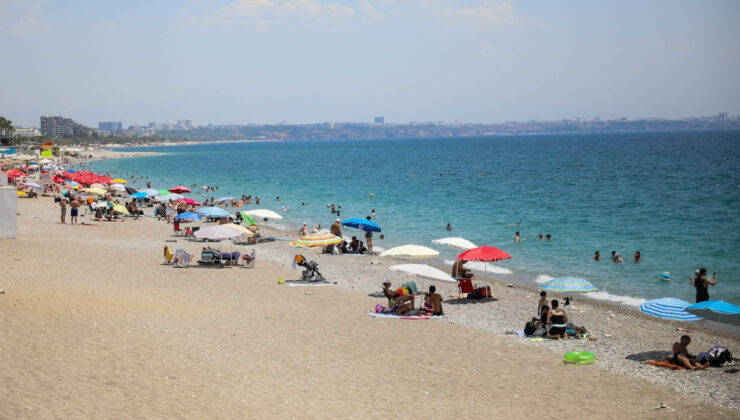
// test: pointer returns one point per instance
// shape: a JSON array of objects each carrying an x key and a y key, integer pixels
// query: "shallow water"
[{"x": 675, "y": 197}]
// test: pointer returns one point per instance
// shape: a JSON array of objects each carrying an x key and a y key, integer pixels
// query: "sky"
[{"x": 304, "y": 61}]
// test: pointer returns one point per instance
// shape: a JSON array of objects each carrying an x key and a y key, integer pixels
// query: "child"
[{"x": 542, "y": 302}]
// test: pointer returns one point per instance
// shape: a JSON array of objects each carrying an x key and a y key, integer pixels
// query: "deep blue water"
[{"x": 675, "y": 197}]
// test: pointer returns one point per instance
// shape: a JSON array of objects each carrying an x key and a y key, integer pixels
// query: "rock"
[{"x": 592, "y": 338}]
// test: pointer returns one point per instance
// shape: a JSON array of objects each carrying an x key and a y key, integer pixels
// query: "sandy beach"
[{"x": 93, "y": 325}]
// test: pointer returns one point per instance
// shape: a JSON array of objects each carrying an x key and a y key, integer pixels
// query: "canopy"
[
  {"x": 96, "y": 191},
  {"x": 263, "y": 214},
  {"x": 423, "y": 271},
  {"x": 411, "y": 251},
  {"x": 249, "y": 220},
  {"x": 458, "y": 243},
  {"x": 569, "y": 284},
  {"x": 484, "y": 253},
  {"x": 219, "y": 232},
  {"x": 180, "y": 189},
  {"x": 212, "y": 212},
  {"x": 362, "y": 224},
  {"x": 316, "y": 239},
  {"x": 188, "y": 216},
  {"x": 668, "y": 308},
  {"x": 715, "y": 310},
  {"x": 32, "y": 184}
]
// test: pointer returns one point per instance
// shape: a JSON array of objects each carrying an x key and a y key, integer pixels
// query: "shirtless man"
[
  {"x": 75, "y": 205},
  {"x": 682, "y": 356},
  {"x": 458, "y": 271},
  {"x": 63, "y": 205},
  {"x": 336, "y": 228},
  {"x": 436, "y": 301}
]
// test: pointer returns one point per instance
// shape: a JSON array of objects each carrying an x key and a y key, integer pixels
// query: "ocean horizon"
[{"x": 672, "y": 196}]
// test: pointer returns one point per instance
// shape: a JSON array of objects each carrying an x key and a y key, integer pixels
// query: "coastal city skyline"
[{"x": 308, "y": 61}]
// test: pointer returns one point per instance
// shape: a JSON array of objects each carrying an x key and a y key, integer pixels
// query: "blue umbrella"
[
  {"x": 212, "y": 212},
  {"x": 716, "y": 310},
  {"x": 362, "y": 224},
  {"x": 139, "y": 195},
  {"x": 668, "y": 308},
  {"x": 188, "y": 216}
]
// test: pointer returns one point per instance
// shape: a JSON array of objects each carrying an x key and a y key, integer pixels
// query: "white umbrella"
[
  {"x": 423, "y": 271},
  {"x": 458, "y": 243},
  {"x": 264, "y": 214},
  {"x": 168, "y": 197},
  {"x": 117, "y": 187},
  {"x": 217, "y": 233},
  {"x": 411, "y": 251},
  {"x": 32, "y": 184},
  {"x": 150, "y": 192}
]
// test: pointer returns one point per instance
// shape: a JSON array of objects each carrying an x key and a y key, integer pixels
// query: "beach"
[{"x": 93, "y": 325}]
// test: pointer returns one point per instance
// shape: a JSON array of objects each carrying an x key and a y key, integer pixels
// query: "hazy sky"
[{"x": 266, "y": 61}]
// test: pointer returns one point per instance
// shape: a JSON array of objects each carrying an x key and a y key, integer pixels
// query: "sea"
[{"x": 675, "y": 197}]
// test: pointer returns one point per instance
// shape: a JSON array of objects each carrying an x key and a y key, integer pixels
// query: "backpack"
[
  {"x": 719, "y": 355},
  {"x": 529, "y": 327}
]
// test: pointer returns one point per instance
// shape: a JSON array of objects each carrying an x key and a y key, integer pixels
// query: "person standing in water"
[
  {"x": 702, "y": 282},
  {"x": 517, "y": 239},
  {"x": 597, "y": 255},
  {"x": 637, "y": 257}
]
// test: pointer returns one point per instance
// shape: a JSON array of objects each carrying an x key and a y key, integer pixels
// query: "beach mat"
[
  {"x": 307, "y": 283},
  {"x": 392, "y": 316},
  {"x": 665, "y": 363}
]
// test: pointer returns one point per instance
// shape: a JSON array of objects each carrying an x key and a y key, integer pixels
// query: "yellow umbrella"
[
  {"x": 118, "y": 181},
  {"x": 96, "y": 191},
  {"x": 22, "y": 194},
  {"x": 246, "y": 231},
  {"x": 119, "y": 208}
]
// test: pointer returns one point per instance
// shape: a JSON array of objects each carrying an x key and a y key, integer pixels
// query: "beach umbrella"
[
  {"x": 139, "y": 195},
  {"x": 246, "y": 232},
  {"x": 263, "y": 214},
  {"x": 316, "y": 239},
  {"x": 119, "y": 208},
  {"x": 117, "y": 187},
  {"x": 362, "y": 224},
  {"x": 222, "y": 199},
  {"x": 32, "y": 184},
  {"x": 569, "y": 285},
  {"x": 484, "y": 253},
  {"x": 458, "y": 243},
  {"x": 218, "y": 233},
  {"x": 45, "y": 161},
  {"x": 95, "y": 191},
  {"x": 180, "y": 189},
  {"x": 668, "y": 308},
  {"x": 212, "y": 212},
  {"x": 130, "y": 190},
  {"x": 118, "y": 181},
  {"x": 423, "y": 271},
  {"x": 411, "y": 251},
  {"x": 188, "y": 216},
  {"x": 248, "y": 220},
  {"x": 168, "y": 197},
  {"x": 162, "y": 192},
  {"x": 151, "y": 192},
  {"x": 190, "y": 201},
  {"x": 715, "y": 310},
  {"x": 22, "y": 194}
]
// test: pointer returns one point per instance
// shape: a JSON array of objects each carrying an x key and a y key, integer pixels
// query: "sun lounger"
[{"x": 210, "y": 256}]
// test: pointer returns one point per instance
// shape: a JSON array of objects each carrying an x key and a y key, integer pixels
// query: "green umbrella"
[
  {"x": 163, "y": 192},
  {"x": 249, "y": 220}
]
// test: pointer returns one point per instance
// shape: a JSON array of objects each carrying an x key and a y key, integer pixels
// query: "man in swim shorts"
[
  {"x": 682, "y": 356},
  {"x": 75, "y": 205}
]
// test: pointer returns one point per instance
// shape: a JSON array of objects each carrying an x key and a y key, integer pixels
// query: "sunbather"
[
  {"x": 396, "y": 299},
  {"x": 682, "y": 356}
]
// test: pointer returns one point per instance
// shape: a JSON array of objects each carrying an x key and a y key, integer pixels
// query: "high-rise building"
[
  {"x": 111, "y": 126},
  {"x": 379, "y": 120},
  {"x": 56, "y": 126}
]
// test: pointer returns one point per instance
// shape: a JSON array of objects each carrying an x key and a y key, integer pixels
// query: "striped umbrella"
[
  {"x": 319, "y": 239},
  {"x": 569, "y": 284},
  {"x": 668, "y": 308}
]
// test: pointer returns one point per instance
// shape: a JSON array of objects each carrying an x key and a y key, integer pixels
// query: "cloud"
[
  {"x": 489, "y": 12},
  {"x": 20, "y": 17},
  {"x": 247, "y": 11},
  {"x": 370, "y": 10}
]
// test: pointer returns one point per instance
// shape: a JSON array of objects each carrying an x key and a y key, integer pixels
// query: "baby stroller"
[{"x": 311, "y": 273}]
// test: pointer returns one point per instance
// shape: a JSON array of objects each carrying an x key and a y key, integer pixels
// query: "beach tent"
[
  {"x": 411, "y": 251},
  {"x": 458, "y": 243},
  {"x": 423, "y": 271}
]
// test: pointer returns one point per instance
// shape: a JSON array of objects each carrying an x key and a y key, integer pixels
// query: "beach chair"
[
  {"x": 465, "y": 285},
  {"x": 210, "y": 256},
  {"x": 249, "y": 259},
  {"x": 167, "y": 255},
  {"x": 176, "y": 229}
]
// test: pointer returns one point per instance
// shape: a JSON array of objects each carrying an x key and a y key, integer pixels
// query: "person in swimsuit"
[
  {"x": 400, "y": 305},
  {"x": 557, "y": 319},
  {"x": 458, "y": 271},
  {"x": 682, "y": 356},
  {"x": 517, "y": 239},
  {"x": 597, "y": 256},
  {"x": 637, "y": 258},
  {"x": 542, "y": 302},
  {"x": 369, "y": 239},
  {"x": 75, "y": 205},
  {"x": 436, "y": 301},
  {"x": 702, "y": 282}
]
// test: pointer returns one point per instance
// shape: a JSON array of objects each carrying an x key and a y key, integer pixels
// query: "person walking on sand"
[
  {"x": 702, "y": 282},
  {"x": 369, "y": 240},
  {"x": 63, "y": 205},
  {"x": 75, "y": 205}
]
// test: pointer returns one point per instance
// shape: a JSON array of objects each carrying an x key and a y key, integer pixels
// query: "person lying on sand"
[{"x": 682, "y": 356}]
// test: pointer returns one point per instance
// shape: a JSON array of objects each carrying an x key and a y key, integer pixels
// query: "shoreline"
[{"x": 138, "y": 312}]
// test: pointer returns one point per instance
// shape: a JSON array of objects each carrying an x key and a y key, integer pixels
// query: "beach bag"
[
  {"x": 529, "y": 327},
  {"x": 379, "y": 309},
  {"x": 719, "y": 355}
]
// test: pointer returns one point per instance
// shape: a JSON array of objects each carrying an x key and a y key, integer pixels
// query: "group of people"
[
  {"x": 552, "y": 321},
  {"x": 518, "y": 237},
  {"x": 355, "y": 246},
  {"x": 617, "y": 257},
  {"x": 404, "y": 304}
]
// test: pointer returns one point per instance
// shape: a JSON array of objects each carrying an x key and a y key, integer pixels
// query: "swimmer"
[
  {"x": 637, "y": 257},
  {"x": 372, "y": 195},
  {"x": 372, "y": 213},
  {"x": 449, "y": 226},
  {"x": 597, "y": 255},
  {"x": 548, "y": 237},
  {"x": 542, "y": 236},
  {"x": 517, "y": 239}
]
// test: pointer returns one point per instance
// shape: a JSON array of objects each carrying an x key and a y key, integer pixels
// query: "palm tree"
[{"x": 6, "y": 126}]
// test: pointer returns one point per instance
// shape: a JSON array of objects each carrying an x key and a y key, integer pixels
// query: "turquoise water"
[{"x": 675, "y": 197}]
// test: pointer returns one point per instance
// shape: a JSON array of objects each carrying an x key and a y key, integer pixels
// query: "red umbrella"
[
  {"x": 179, "y": 189},
  {"x": 189, "y": 201},
  {"x": 484, "y": 253}
]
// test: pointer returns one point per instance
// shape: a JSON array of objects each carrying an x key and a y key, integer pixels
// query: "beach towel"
[
  {"x": 307, "y": 283},
  {"x": 393, "y": 316},
  {"x": 665, "y": 363}
]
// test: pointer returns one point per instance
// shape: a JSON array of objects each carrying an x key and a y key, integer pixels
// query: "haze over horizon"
[{"x": 301, "y": 61}]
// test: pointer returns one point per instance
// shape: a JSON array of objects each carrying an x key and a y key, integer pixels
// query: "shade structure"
[
  {"x": 188, "y": 216},
  {"x": 32, "y": 184},
  {"x": 179, "y": 189},
  {"x": 263, "y": 214},
  {"x": 458, "y": 243},
  {"x": 96, "y": 191},
  {"x": 190, "y": 201},
  {"x": 218, "y": 233},
  {"x": 222, "y": 199},
  {"x": 569, "y": 285},
  {"x": 362, "y": 224},
  {"x": 45, "y": 161},
  {"x": 484, "y": 253},
  {"x": 139, "y": 195},
  {"x": 246, "y": 232},
  {"x": 248, "y": 220},
  {"x": 423, "y": 271},
  {"x": 212, "y": 212},
  {"x": 130, "y": 190},
  {"x": 668, "y": 308},
  {"x": 715, "y": 310},
  {"x": 119, "y": 208},
  {"x": 316, "y": 240},
  {"x": 117, "y": 187},
  {"x": 151, "y": 192},
  {"x": 411, "y": 251}
]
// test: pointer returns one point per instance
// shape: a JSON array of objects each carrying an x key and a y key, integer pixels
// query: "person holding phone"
[{"x": 702, "y": 282}]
